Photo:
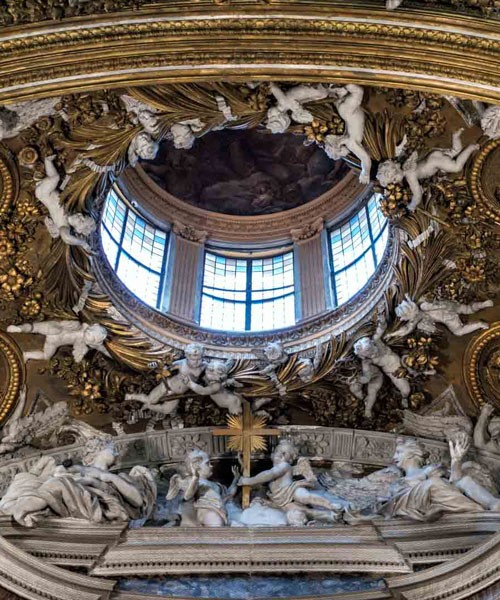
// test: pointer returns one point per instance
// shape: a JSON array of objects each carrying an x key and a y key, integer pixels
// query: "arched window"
[
  {"x": 247, "y": 294},
  {"x": 356, "y": 249},
  {"x": 135, "y": 249}
]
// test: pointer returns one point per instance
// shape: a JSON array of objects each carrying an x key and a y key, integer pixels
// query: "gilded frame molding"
[
  {"x": 439, "y": 51},
  {"x": 13, "y": 372},
  {"x": 474, "y": 365}
]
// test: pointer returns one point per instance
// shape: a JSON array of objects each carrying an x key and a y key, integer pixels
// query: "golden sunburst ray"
[{"x": 235, "y": 442}]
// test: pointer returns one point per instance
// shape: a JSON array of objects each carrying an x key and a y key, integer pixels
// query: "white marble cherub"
[
  {"x": 204, "y": 500},
  {"x": 348, "y": 102},
  {"x": 376, "y": 357},
  {"x": 216, "y": 386},
  {"x": 293, "y": 496},
  {"x": 142, "y": 146},
  {"x": 487, "y": 431},
  {"x": 425, "y": 315},
  {"x": 183, "y": 133},
  {"x": 307, "y": 367},
  {"x": 276, "y": 356},
  {"x": 393, "y": 4},
  {"x": 82, "y": 336},
  {"x": 142, "y": 113},
  {"x": 185, "y": 370},
  {"x": 451, "y": 160},
  {"x": 291, "y": 101},
  {"x": 489, "y": 119},
  {"x": 59, "y": 223}
]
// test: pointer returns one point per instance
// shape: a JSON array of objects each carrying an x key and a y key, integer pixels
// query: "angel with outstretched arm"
[{"x": 59, "y": 223}]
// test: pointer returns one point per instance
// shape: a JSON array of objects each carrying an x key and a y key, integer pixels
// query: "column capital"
[{"x": 307, "y": 232}]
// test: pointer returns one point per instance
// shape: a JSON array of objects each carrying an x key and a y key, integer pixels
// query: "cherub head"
[
  {"x": 274, "y": 351},
  {"x": 148, "y": 120},
  {"x": 407, "y": 310},
  {"x": 142, "y": 146},
  {"x": 301, "y": 115},
  {"x": 94, "y": 335},
  {"x": 335, "y": 147},
  {"x": 182, "y": 136},
  {"x": 100, "y": 452},
  {"x": 198, "y": 463},
  {"x": 389, "y": 172},
  {"x": 82, "y": 224},
  {"x": 285, "y": 451},
  {"x": 194, "y": 355},
  {"x": 409, "y": 452},
  {"x": 305, "y": 369},
  {"x": 216, "y": 371},
  {"x": 490, "y": 122},
  {"x": 365, "y": 347},
  {"x": 277, "y": 120}
]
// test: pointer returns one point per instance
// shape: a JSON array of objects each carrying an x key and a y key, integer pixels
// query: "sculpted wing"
[
  {"x": 361, "y": 493},
  {"x": 174, "y": 487},
  {"x": 435, "y": 427}
]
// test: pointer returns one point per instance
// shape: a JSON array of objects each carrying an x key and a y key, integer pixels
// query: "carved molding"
[
  {"x": 308, "y": 231},
  {"x": 481, "y": 367},
  {"x": 9, "y": 181},
  {"x": 161, "y": 207},
  {"x": 189, "y": 233},
  {"x": 450, "y": 54},
  {"x": 12, "y": 375},
  {"x": 34, "y": 579},
  {"x": 484, "y": 180}
]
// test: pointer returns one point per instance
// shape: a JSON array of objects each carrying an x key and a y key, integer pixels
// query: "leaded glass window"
[
  {"x": 135, "y": 249},
  {"x": 247, "y": 294},
  {"x": 356, "y": 249}
]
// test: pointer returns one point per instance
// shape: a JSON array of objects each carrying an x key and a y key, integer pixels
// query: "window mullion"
[
  {"x": 248, "y": 296},
  {"x": 372, "y": 241},
  {"x": 122, "y": 235}
]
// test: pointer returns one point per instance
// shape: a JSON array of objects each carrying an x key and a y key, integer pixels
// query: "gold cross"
[{"x": 246, "y": 435}]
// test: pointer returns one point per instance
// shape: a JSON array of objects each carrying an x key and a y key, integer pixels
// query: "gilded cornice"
[{"x": 413, "y": 48}]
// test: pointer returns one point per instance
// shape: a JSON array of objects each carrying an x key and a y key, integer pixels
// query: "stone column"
[
  {"x": 310, "y": 274},
  {"x": 184, "y": 288}
]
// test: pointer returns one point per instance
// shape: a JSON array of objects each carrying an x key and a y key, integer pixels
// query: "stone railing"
[{"x": 371, "y": 448}]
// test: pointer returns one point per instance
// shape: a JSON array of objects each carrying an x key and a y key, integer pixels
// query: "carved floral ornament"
[{"x": 70, "y": 150}]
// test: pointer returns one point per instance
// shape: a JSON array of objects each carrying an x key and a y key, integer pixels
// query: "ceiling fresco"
[{"x": 245, "y": 172}]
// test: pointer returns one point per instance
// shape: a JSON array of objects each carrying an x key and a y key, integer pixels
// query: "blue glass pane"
[
  {"x": 142, "y": 250},
  {"x": 231, "y": 302},
  {"x": 357, "y": 247},
  {"x": 113, "y": 215},
  {"x": 144, "y": 242},
  {"x": 110, "y": 247},
  {"x": 143, "y": 283}
]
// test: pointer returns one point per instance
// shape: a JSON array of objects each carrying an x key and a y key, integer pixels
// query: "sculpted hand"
[
  {"x": 459, "y": 446},
  {"x": 243, "y": 481},
  {"x": 487, "y": 410}
]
